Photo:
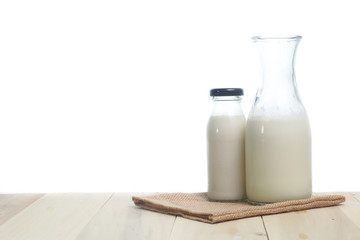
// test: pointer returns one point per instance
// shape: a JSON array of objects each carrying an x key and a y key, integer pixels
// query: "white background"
[{"x": 114, "y": 95}]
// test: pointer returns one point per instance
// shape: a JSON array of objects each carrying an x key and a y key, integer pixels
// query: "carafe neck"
[
  {"x": 277, "y": 93},
  {"x": 277, "y": 57}
]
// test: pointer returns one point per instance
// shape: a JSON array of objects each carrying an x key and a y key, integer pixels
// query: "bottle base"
[
  {"x": 227, "y": 201},
  {"x": 226, "y": 197},
  {"x": 256, "y": 203}
]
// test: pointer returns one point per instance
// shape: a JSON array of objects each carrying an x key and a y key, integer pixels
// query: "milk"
[
  {"x": 278, "y": 159},
  {"x": 226, "y": 157}
]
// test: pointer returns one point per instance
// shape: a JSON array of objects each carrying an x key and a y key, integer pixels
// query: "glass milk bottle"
[
  {"x": 278, "y": 138},
  {"x": 226, "y": 146}
]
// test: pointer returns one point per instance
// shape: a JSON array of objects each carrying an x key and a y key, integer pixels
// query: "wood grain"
[
  {"x": 331, "y": 223},
  {"x": 356, "y": 195},
  {"x": 351, "y": 209},
  {"x": 11, "y": 204},
  {"x": 120, "y": 219},
  {"x": 54, "y": 216},
  {"x": 243, "y": 229}
]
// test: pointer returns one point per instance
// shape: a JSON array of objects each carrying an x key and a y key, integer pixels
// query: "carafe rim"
[{"x": 276, "y": 38}]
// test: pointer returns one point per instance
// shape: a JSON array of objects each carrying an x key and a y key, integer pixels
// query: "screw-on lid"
[{"x": 226, "y": 92}]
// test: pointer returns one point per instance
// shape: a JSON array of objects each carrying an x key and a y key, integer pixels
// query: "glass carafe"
[{"x": 278, "y": 137}]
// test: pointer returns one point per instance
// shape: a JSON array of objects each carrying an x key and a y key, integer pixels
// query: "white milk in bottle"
[{"x": 226, "y": 146}]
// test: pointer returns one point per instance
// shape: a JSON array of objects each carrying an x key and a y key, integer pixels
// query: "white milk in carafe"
[{"x": 278, "y": 158}]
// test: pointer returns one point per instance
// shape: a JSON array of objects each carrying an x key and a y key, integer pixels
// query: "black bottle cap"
[{"x": 226, "y": 92}]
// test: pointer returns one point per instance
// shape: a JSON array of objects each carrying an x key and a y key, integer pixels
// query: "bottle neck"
[{"x": 227, "y": 105}]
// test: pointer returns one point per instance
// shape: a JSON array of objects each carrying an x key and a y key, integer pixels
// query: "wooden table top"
[{"x": 105, "y": 216}]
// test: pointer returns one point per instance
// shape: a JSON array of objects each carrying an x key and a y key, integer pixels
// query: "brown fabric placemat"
[{"x": 196, "y": 206}]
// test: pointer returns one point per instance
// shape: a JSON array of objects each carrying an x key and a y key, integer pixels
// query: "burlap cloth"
[{"x": 196, "y": 206}]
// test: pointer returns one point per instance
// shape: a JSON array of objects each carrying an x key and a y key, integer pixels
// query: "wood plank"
[
  {"x": 54, "y": 216},
  {"x": 121, "y": 219},
  {"x": 356, "y": 195},
  {"x": 351, "y": 208},
  {"x": 11, "y": 204},
  {"x": 242, "y": 229},
  {"x": 331, "y": 223}
]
